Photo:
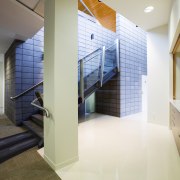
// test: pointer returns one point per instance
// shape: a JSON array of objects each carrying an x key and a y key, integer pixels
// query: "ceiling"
[
  {"x": 21, "y": 19},
  {"x": 36, "y": 5},
  {"x": 105, "y": 15},
  {"x": 18, "y": 22},
  {"x": 134, "y": 11}
]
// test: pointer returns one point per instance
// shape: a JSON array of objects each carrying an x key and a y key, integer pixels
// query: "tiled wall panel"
[
  {"x": 127, "y": 85},
  {"x": 27, "y": 68},
  {"x": 133, "y": 64},
  {"x": 88, "y": 26},
  {"x": 121, "y": 96}
]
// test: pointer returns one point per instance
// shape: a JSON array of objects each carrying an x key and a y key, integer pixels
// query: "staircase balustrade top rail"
[
  {"x": 89, "y": 55},
  {"x": 26, "y": 91},
  {"x": 93, "y": 67}
]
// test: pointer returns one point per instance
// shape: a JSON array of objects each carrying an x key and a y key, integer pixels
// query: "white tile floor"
[{"x": 124, "y": 149}]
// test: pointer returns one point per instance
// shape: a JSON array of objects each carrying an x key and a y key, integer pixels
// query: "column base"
[{"x": 56, "y": 167}]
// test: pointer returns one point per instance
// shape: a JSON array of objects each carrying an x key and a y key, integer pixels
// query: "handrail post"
[
  {"x": 117, "y": 55},
  {"x": 82, "y": 79},
  {"x": 102, "y": 64}
]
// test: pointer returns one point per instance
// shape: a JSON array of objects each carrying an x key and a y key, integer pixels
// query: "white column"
[{"x": 60, "y": 82}]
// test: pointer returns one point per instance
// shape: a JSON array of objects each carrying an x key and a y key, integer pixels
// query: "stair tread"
[
  {"x": 17, "y": 148},
  {"x": 38, "y": 116},
  {"x": 34, "y": 128},
  {"x": 11, "y": 140},
  {"x": 38, "y": 119}
]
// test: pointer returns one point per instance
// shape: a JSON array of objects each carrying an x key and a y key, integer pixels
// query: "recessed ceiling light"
[{"x": 148, "y": 9}]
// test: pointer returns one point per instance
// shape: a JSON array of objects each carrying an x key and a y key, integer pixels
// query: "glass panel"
[
  {"x": 92, "y": 66},
  {"x": 110, "y": 59},
  {"x": 91, "y": 69}
]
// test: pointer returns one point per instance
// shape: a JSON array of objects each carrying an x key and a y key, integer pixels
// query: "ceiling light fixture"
[{"x": 148, "y": 9}]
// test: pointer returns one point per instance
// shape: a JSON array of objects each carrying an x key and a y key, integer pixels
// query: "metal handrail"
[
  {"x": 117, "y": 54},
  {"x": 110, "y": 46},
  {"x": 26, "y": 91},
  {"x": 88, "y": 56},
  {"x": 33, "y": 103},
  {"x": 83, "y": 59},
  {"x": 82, "y": 80},
  {"x": 93, "y": 57},
  {"x": 102, "y": 64}
]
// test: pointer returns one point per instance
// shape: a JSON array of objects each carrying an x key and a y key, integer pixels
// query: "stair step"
[
  {"x": 11, "y": 140},
  {"x": 36, "y": 129},
  {"x": 16, "y": 149},
  {"x": 38, "y": 119}
]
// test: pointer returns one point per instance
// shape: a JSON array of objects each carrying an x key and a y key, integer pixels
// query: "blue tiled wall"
[
  {"x": 133, "y": 64},
  {"x": 29, "y": 57},
  {"x": 122, "y": 95},
  {"x": 87, "y": 26},
  {"x": 27, "y": 66}
]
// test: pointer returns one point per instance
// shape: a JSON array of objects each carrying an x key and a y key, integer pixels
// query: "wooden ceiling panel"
[
  {"x": 103, "y": 13},
  {"x": 82, "y": 8}
]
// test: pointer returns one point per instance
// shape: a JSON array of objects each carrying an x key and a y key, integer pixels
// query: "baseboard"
[
  {"x": 158, "y": 123},
  {"x": 56, "y": 167}
]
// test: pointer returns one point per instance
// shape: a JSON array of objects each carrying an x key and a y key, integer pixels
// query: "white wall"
[
  {"x": 174, "y": 24},
  {"x": 1, "y": 83},
  {"x": 177, "y": 79},
  {"x": 158, "y": 75}
]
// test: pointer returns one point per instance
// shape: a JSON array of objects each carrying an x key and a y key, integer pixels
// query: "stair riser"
[
  {"x": 10, "y": 152},
  {"x": 36, "y": 132},
  {"x": 37, "y": 121},
  {"x": 6, "y": 142}
]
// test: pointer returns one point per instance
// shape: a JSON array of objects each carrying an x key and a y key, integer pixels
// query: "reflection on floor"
[{"x": 124, "y": 149}]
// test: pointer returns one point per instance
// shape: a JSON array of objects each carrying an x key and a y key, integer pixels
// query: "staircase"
[
  {"x": 16, "y": 144},
  {"x": 35, "y": 126},
  {"x": 94, "y": 71}
]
